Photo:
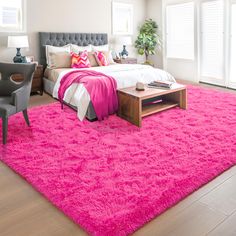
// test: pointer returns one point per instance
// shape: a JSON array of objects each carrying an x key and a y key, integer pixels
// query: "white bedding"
[{"x": 126, "y": 75}]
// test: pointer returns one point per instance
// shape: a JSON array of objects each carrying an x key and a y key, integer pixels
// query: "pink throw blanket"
[{"x": 101, "y": 88}]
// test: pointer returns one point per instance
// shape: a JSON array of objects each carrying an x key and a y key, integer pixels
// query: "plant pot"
[{"x": 150, "y": 63}]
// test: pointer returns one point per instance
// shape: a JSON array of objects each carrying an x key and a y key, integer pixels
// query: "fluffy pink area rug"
[{"x": 111, "y": 177}]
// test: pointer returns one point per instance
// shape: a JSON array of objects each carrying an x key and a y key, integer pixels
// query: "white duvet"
[{"x": 126, "y": 75}]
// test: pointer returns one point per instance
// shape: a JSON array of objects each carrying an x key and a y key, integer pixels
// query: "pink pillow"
[
  {"x": 80, "y": 61},
  {"x": 101, "y": 59}
]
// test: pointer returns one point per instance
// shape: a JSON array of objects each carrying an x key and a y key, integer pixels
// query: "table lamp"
[
  {"x": 125, "y": 41},
  {"x": 18, "y": 42}
]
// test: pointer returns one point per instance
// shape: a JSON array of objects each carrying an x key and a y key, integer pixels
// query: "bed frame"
[{"x": 62, "y": 39}]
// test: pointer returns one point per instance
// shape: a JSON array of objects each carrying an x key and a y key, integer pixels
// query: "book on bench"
[{"x": 160, "y": 84}]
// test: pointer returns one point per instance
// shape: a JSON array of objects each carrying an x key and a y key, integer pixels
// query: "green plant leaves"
[{"x": 148, "y": 39}]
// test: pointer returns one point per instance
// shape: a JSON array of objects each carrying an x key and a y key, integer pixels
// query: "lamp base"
[
  {"x": 124, "y": 53},
  {"x": 18, "y": 58}
]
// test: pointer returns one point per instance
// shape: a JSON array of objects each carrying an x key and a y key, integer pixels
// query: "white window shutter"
[
  {"x": 180, "y": 31},
  {"x": 233, "y": 45},
  {"x": 11, "y": 15},
  {"x": 212, "y": 39}
]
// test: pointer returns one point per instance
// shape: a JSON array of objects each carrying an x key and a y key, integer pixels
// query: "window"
[
  {"x": 11, "y": 15},
  {"x": 212, "y": 39},
  {"x": 233, "y": 45},
  {"x": 122, "y": 18},
  {"x": 180, "y": 31}
]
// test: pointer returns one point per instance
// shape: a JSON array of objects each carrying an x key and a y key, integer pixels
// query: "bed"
[
  {"x": 77, "y": 97},
  {"x": 61, "y": 39}
]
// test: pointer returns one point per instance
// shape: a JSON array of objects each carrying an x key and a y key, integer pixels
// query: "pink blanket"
[{"x": 101, "y": 88}]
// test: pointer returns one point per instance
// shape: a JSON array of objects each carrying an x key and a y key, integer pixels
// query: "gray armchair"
[{"x": 14, "y": 96}]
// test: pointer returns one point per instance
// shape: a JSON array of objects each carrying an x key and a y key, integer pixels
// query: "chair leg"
[
  {"x": 26, "y": 117},
  {"x": 4, "y": 129}
]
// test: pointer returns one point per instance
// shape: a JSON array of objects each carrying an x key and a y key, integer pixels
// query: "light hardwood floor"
[{"x": 209, "y": 211}]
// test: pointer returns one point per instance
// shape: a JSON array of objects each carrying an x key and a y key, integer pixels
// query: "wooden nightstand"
[
  {"x": 37, "y": 83},
  {"x": 127, "y": 60}
]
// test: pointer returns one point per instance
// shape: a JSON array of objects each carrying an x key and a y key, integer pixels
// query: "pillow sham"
[
  {"x": 80, "y": 60},
  {"x": 92, "y": 59},
  {"x": 78, "y": 49},
  {"x": 59, "y": 60},
  {"x": 53, "y": 49},
  {"x": 108, "y": 55},
  {"x": 101, "y": 58}
]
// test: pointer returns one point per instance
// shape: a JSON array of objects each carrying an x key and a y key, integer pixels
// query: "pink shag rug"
[{"x": 111, "y": 177}]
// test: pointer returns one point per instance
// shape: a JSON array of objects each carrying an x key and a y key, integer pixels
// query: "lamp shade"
[
  {"x": 125, "y": 40},
  {"x": 18, "y": 42}
]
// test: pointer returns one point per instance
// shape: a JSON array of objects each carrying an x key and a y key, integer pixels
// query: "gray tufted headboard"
[{"x": 61, "y": 39}]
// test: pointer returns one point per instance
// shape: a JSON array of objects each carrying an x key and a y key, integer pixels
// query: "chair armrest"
[{"x": 20, "y": 98}]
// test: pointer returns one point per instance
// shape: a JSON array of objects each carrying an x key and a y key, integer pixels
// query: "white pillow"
[
  {"x": 77, "y": 49},
  {"x": 110, "y": 58},
  {"x": 102, "y": 48},
  {"x": 53, "y": 49}
]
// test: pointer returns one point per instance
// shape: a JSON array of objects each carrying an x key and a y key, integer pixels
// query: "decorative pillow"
[
  {"x": 106, "y": 51},
  {"x": 101, "y": 59},
  {"x": 80, "y": 60},
  {"x": 78, "y": 49},
  {"x": 52, "y": 49},
  {"x": 59, "y": 60},
  {"x": 92, "y": 59}
]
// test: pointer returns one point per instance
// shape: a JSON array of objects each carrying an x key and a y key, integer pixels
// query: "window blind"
[
  {"x": 233, "y": 45},
  {"x": 11, "y": 14},
  {"x": 212, "y": 39},
  {"x": 180, "y": 31}
]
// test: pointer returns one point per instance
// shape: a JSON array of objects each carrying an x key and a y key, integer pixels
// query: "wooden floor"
[{"x": 209, "y": 211}]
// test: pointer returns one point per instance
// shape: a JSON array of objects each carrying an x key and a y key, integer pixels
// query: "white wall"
[
  {"x": 82, "y": 16},
  {"x": 154, "y": 11}
]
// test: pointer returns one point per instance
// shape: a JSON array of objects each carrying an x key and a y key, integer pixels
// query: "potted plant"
[{"x": 148, "y": 39}]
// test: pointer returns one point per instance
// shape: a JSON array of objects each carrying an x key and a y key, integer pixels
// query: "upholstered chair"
[{"x": 14, "y": 96}]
